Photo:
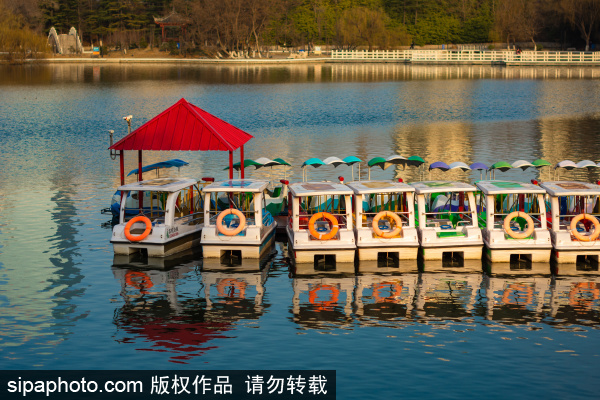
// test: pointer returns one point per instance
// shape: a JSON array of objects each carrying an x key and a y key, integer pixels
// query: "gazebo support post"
[
  {"x": 140, "y": 194},
  {"x": 242, "y": 161},
  {"x": 230, "y": 164},
  {"x": 122, "y": 166}
]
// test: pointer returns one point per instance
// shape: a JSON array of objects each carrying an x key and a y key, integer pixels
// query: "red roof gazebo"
[
  {"x": 172, "y": 20},
  {"x": 183, "y": 127}
]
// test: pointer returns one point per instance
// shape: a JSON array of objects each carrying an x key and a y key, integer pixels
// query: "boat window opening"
[
  {"x": 377, "y": 202},
  {"x": 188, "y": 206},
  {"x": 448, "y": 210},
  {"x": 332, "y": 204},
  {"x": 153, "y": 203},
  {"x": 453, "y": 259},
  {"x": 587, "y": 263},
  {"x": 519, "y": 262},
  {"x": 506, "y": 204},
  {"x": 571, "y": 206},
  {"x": 388, "y": 259},
  {"x": 221, "y": 201},
  {"x": 324, "y": 262}
]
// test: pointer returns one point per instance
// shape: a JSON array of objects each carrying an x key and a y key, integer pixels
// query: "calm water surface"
[{"x": 67, "y": 304}]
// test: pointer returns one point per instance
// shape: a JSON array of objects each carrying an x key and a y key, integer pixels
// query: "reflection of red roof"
[{"x": 183, "y": 126}]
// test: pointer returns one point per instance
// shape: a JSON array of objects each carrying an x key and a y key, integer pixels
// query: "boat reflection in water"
[
  {"x": 323, "y": 301},
  {"x": 164, "y": 311},
  {"x": 447, "y": 295},
  {"x": 385, "y": 297}
]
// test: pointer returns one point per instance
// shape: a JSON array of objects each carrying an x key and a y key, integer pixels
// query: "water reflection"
[
  {"x": 400, "y": 296},
  {"x": 323, "y": 302},
  {"x": 167, "y": 311},
  {"x": 272, "y": 73}
]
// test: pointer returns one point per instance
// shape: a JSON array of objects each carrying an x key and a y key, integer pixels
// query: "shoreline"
[{"x": 274, "y": 61}]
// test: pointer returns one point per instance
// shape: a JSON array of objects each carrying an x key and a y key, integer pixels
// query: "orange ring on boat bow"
[
  {"x": 522, "y": 235},
  {"x": 323, "y": 305},
  {"x": 579, "y": 236},
  {"x": 395, "y": 293},
  {"x": 334, "y": 226},
  {"x": 142, "y": 236},
  {"x": 230, "y": 232},
  {"x": 390, "y": 234},
  {"x": 144, "y": 282},
  {"x": 232, "y": 283}
]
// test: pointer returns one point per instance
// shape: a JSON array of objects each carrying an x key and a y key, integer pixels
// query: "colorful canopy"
[
  {"x": 502, "y": 166},
  {"x": 522, "y": 164},
  {"x": 439, "y": 165},
  {"x": 587, "y": 164},
  {"x": 384, "y": 163},
  {"x": 540, "y": 163},
  {"x": 260, "y": 162},
  {"x": 460, "y": 165},
  {"x": 335, "y": 161},
  {"x": 566, "y": 164},
  {"x": 163, "y": 164},
  {"x": 479, "y": 166}
]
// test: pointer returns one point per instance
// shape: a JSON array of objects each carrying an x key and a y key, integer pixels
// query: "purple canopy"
[
  {"x": 479, "y": 165},
  {"x": 439, "y": 165}
]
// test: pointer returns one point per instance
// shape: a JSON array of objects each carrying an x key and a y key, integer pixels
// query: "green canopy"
[
  {"x": 247, "y": 163},
  {"x": 502, "y": 166}
]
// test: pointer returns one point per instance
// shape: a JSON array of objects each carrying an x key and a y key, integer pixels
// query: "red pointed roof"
[{"x": 183, "y": 126}]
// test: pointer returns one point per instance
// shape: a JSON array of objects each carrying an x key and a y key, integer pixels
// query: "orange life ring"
[
  {"x": 138, "y": 280},
  {"x": 233, "y": 284},
  {"x": 392, "y": 233},
  {"x": 324, "y": 304},
  {"x": 334, "y": 226},
  {"x": 522, "y": 235},
  {"x": 579, "y": 236},
  {"x": 516, "y": 288},
  {"x": 231, "y": 232},
  {"x": 142, "y": 236},
  {"x": 583, "y": 287},
  {"x": 395, "y": 292}
]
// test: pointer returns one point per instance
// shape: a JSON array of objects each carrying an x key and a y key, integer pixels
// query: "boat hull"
[
  {"x": 157, "y": 249},
  {"x": 250, "y": 250}
]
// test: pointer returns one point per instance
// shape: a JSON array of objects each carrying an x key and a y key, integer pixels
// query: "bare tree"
[{"x": 583, "y": 15}]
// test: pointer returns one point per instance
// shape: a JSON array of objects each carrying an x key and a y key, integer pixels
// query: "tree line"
[{"x": 248, "y": 25}]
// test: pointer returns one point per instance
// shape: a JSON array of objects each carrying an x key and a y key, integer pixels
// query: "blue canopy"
[{"x": 163, "y": 164}]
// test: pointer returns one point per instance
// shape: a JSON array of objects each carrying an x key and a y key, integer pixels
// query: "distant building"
[
  {"x": 173, "y": 20},
  {"x": 65, "y": 44}
]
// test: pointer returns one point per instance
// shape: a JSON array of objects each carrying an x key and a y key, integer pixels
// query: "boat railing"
[
  {"x": 442, "y": 218},
  {"x": 499, "y": 219},
  {"x": 305, "y": 218},
  {"x": 368, "y": 218},
  {"x": 194, "y": 218},
  {"x": 250, "y": 216}
]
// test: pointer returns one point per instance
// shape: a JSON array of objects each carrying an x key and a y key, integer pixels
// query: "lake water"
[{"x": 465, "y": 334}]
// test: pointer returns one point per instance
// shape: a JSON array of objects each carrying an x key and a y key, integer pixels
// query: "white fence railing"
[{"x": 471, "y": 56}]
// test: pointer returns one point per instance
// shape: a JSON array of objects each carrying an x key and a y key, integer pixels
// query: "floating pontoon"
[
  {"x": 385, "y": 220},
  {"x": 320, "y": 223},
  {"x": 514, "y": 222},
  {"x": 171, "y": 221},
  {"x": 237, "y": 223},
  {"x": 447, "y": 221},
  {"x": 574, "y": 226}
]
